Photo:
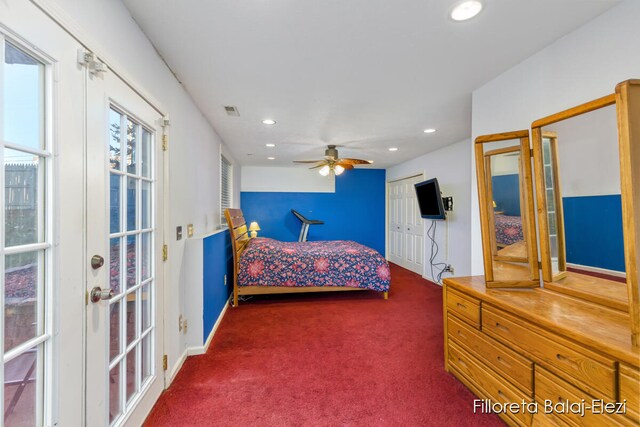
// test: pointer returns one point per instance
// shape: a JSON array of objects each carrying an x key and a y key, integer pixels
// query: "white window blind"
[{"x": 225, "y": 187}]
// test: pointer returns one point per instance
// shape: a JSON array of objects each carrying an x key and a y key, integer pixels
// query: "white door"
[
  {"x": 413, "y": 227},
  {"x": 396, "y": 235},
  {"x": 406, "y": 230},
  {"x": 42, "y": 295},
  {"x": 124, "y": 346}
]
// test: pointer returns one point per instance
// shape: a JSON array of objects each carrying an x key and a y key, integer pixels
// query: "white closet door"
[
  {"x": 413, "y": 228},
  {"x": 396, "y": 235},
  {"x": 406, "y": 230}
]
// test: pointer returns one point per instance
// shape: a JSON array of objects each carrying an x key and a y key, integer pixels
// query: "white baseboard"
[
  {"x": 202, "y": 349},
  {"x": 614, "y": 273}
]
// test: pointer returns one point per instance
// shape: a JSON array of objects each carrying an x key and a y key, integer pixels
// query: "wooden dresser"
[{"x": 536, "y": 345}]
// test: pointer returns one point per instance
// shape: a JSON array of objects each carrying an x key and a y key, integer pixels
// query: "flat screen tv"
[{"x": 430, "y": 199}]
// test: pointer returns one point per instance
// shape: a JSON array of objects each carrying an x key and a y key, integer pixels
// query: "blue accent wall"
[
  {"x": 218, "y": 261},
  {"x": 593, "y": 231},
  {"x": 356, "y": 211},
  {"x": 506, "y": 193}
]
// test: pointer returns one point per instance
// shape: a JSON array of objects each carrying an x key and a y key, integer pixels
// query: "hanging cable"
[{"x": 431, "y": 234}]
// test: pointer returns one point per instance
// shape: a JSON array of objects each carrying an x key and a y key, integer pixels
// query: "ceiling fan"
[{"x": 332, "y": 163}]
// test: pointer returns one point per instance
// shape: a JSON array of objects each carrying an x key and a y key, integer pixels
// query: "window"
[{"x": 225, "y": 187}]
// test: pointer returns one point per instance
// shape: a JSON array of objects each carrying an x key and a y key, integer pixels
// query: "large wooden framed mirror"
[
  {"x": 505, "y": 194},
  {"x": 586, "y": 180}
]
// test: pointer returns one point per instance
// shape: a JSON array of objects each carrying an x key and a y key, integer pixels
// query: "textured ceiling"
[{"x": 365, "y": 75}]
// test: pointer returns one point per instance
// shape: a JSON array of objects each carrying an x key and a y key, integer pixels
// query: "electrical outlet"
[
  {"x": 180, "y": 320},
  {"x": 225, "y": 280},
  {"x": 448, "y": 268},
  {"x": 179, "y": 232},
  {"x": 184, "y": 325}
]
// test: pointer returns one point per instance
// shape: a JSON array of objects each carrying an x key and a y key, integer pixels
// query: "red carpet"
[{"x": 339, "y": 359}]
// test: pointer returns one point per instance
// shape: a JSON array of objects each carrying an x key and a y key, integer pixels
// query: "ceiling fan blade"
[
  {"x": 348, "y": 166},
  {"x": 355, "y": 161},
  {"x": 307, "y": 161},
  {"x": 319, "y": 165}
]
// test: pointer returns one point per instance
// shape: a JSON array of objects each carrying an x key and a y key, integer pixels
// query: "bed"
[
  {"x": 268, "y": 266},
  {"x": 508, "y": 230}
]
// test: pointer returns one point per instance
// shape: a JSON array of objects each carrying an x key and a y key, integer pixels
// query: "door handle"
[
  {"x": 96, "y": 262},
  {"x": 98, "y": 294}
]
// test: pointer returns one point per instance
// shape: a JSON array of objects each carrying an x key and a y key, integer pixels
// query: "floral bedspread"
[
  {"x": 508, "y": 229},
  {"x": 268, "y": 262}
]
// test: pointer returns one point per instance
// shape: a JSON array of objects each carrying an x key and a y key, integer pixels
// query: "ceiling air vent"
[{"x": 232, "y": 111}]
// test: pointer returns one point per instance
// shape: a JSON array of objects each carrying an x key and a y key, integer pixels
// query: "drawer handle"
[
  {"x": 460, "y": 334},
  {"x": 461, "y": 362},
  {"x": 501, "y": 360},
  {"x": 565, "y": 359},
  {"x": 500, "y": 326},
  {"x": 501, "y": 394},
  {"x": 462, "y": 306}
]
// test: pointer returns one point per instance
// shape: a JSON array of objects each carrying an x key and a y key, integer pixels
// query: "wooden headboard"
[{"x": 239, "y": 240}]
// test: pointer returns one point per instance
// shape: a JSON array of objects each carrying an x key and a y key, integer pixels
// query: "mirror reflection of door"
[{"x": 506, "y": 209}]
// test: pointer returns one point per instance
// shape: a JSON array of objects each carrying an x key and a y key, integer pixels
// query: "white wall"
[
  {"x": 584, "y": 65},
  {"x": 588, "y": 153},
  {"x": 194, "y": 147},
  {"x": 452, "y": 166},
  {"x": 286, "y": 179}
]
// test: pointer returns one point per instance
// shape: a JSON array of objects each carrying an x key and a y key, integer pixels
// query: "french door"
[{"x": 124, "y": 347}]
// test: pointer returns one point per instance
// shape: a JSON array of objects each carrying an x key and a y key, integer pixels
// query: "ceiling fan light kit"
[{"x": 333, "y": 163}]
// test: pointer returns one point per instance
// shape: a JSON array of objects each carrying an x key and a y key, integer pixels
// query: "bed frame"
[{"x": 239, "y": 240}]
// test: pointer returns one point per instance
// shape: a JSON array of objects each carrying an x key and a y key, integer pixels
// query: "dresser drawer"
[
  {"x": 494, "y": 387},
  {"x": 555, "y": 390},
  {"x": 468, "y": 308},
  {"x": 508, "y": 363},
  {"x": 591, "y": 371},
  {"x": 629, "y": 384}
]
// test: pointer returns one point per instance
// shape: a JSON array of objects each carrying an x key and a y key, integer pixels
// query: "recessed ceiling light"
[
  {"x": 271, "y": 158},
  {"x": 430, "y": 130},
  {"x": 466, "y": 10},
  {"x": 268, "y": 122},
  {"x": 270, "y": 145},
  {"x": 393, "y": 149}
]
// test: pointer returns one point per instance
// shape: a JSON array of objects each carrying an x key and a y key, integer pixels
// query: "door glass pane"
[
  {"x": 131, "y": 373},
  {"x": 23, "y": 98},
  {"x": 145, "y": 201},
  {"x": 146, "y": 357},
  {"x": 131, "y": 204},
  {"x": 21, "y": 197},
  {"x": 114, "y": 330},
  {"x": 132, "y": 136},
  {"x": 114, "y": 202},
  {"x": 21, "y": 298},
  {"x": 115, "y": 408},
  {"x": 145, "y": 256},
  {"x": 145, "y": 301},
  {"x": 114, "y": 270},
  {"x": 131, "y": 317},
  {"x": 145, "y": 150},
  {"x": 131, "y": 261},
  {"x": 21, "y": 390},
  {"x": 115, "y": 148}
]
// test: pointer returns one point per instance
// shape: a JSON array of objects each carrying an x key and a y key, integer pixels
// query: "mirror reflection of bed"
[
  {"x": 581, "y": 172},
  {"x": 508, "y": 235}
]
